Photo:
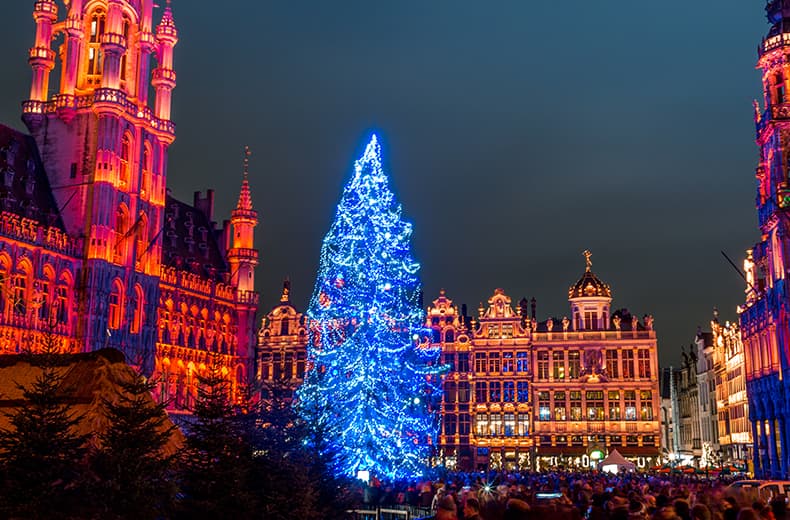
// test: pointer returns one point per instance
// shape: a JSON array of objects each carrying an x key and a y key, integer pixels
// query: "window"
[
  {"x": 116, "y": 305},
  {"x": 449, "y": 336},
  {"x": 481, "y": 391},
  {"x": 493, "y": 363},
  {"x": 480, "y": 362},
  {"x": 20, "y": 294},
  {"x": 137, "y": 318},
  {"x": 522, "y": 389},
  {"x": 495, "y": 391},
  {"x": 463, "y": 362},
  {"x": 630, "y": 405},
  {"x": 543, "y": 365},
  {"x": 510, "y": 424},
  {"x": 544, "y": 406},
  {"x": 481, "y": 424},
  {"x": 463, "y": 424},
  {"x": 645, "y": 405},
  {"x": 495, "y": 426},
  {"x": 591, "y": 320},
  {"x": 450, "y": 423},
  {"x": 558, "y": 364},
  {"x": 522, "y": 362},
  {"x": 126, "y": 155},
  {"x": 628, "y": 364},
  {"x": 300, "y": 364},
  {"x": 576, "y": 405},
  {"x": 493, "y": 331},
  {"x": 145, "y": 189},
  {"x": 574, "y": 364},
  {"x": 644, "y": 363},
  {"x": 42, "y": 299},
  {"x": 595, "y": 410},
  {"x": 449, "y": 359},
  {"x": 507, "y": 362},
  {"x": 614, "y": 405},
  {"x": 508, "y": 391},
  {"x": 523, "y": 424},
  {"x": 449, "y": 392},
  {"x": 611, "y": 364},
  {"x": 62, "y": 302},
  {"x": 463, "y": 392},
  {"x": 559, "y": 406},
  {"x": 95, "y": 57},
  {"x": 507, "y": 331}
]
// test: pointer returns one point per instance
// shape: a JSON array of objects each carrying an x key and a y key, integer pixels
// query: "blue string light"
[{"x": 372, "y": 382}]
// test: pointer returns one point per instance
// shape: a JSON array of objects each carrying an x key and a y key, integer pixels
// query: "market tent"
[{"x": 615, "y": 463}]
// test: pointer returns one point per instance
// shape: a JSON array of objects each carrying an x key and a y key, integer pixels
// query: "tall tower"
[
  {"x": 763, "y": 318},
  {"x": 105, "y": 152},
  {"x": 242, "y": 259}
]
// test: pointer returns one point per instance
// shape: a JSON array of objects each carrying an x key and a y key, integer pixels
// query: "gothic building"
[
  {"x": 93, "y": 249},
  {"x": 764, "y": 316}
]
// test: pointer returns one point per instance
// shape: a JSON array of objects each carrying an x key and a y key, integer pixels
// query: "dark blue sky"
[{"x": 517, "y": 134}]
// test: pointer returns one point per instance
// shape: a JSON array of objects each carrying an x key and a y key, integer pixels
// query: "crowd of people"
[{"x": 576, "y": 496}]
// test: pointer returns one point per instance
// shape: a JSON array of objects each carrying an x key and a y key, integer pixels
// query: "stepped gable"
[
  {"x": 88, "y": 380},
  {"x": 189, "y": 241},
  {"x": 24, "y": 186}
]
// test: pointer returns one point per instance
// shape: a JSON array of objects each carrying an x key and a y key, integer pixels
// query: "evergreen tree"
[
  {"x": 371, "y": 380},
  {"x": 134, "y": 477},
  {"x": 42, "y": 458},
  {"x": 217, "y": 457}
]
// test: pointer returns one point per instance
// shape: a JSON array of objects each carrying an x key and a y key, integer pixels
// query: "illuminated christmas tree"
[{"x": 370, "y": 384}]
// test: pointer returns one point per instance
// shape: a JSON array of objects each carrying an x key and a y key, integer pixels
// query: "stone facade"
[{"x": 92, "y": 247}]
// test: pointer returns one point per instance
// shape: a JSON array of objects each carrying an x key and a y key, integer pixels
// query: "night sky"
[{"x": 517, "y": 134}]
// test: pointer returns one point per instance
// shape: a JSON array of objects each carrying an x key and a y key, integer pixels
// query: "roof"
[
  {"x": 189, "y": 241},
  {"x": 613, "y": 458},
  {"x": 589, "y": 285},
  {"x": 24, "y": 186},
  {"x": 88, "y": 379}
]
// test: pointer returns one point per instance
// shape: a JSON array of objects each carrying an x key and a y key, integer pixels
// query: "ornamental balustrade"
[{"x": 100, "y": 95}]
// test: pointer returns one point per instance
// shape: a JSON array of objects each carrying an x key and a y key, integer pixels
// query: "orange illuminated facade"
[
  {"x": 524, "y": 394},
  {"x": 92, "y": 247}
]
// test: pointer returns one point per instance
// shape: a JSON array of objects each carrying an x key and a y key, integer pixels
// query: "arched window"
[
  {"x": 126, "y": 154},
  {"x": 21, "y": 283},
  {"x": 126, "y": 25},
  {"x": 95, "y": 58},
  {"x": 115, "y": 306},
  {"x": 4, "y": 281},
  {"x": 137, "y": 318},
  {"x": 145, "y": 188},
  {"x": 62, "y": 301},
  {"x": 284, "y": 327},
  {"x": 141, "y": 238},
  {"x": 42, "y": 298},
  {"x": 121, "y": 228}
]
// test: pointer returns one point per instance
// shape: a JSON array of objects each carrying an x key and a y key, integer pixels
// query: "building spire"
[{"x": 245, "y": 199}]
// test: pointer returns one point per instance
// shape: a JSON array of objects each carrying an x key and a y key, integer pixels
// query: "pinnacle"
[{"x": 245, "y": 198}]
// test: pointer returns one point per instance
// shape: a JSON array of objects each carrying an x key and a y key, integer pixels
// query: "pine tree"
[
  {"x": 370, "y": 381},
  {"x": 134, "y": 475},
  {"x": 42, "y": 458},
  {"x": 217, "y": 457}
]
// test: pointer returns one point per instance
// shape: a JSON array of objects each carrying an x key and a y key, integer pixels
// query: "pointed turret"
[
  {"x": 245, "y": 199},
  {"x": 164, "y": 77}
]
